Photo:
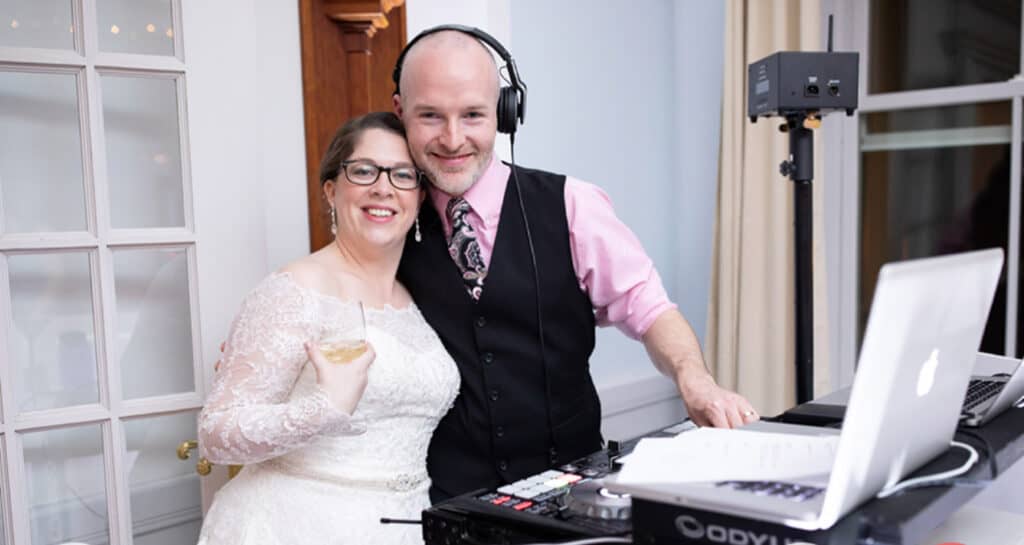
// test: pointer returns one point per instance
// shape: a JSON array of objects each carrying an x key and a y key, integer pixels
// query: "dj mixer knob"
[{"x": 592, "y": 499}]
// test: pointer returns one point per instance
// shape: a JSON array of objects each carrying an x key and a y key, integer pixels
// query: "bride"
[{"x": 329, "y": 448}]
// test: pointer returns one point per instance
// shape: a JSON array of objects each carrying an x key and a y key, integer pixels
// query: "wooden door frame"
[{"x": 349, "y": 48}]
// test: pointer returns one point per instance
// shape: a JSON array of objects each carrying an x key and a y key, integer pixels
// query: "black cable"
[
  {"x": 536, "y": 282},
  {"x": 385, "y": 520}
]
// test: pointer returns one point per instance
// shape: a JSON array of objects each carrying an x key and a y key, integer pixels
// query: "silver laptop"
[
  {"x": 996, "y": 385},
  {"x": 991, "y": 393},
  {"x": 926, "y": 322}
]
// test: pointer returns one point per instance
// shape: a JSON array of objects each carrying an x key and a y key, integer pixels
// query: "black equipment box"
[
  {"x": 663, "y": 524},
  {"x": 792, "y": 82}
]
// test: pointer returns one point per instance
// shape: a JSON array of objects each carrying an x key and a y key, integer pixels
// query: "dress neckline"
[{"x": 386, "y": 309}]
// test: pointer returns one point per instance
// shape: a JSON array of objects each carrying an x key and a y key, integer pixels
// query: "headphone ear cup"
[{"x": 508, "y": 106}]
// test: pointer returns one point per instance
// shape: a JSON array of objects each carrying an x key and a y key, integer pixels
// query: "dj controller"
[{"x": 569, "y": 502}]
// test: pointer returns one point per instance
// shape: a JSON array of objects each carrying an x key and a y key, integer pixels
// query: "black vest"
[{"x": 515, "y": 415}]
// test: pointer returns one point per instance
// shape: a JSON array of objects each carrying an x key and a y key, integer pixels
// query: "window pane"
[
  {"x": 923, "y": 44},
  {"x": 163, "y": 487},
  {"x": 36, "y": 23},
  {"x": 136, "y": 26},
  {"x": 52, "y": 343},
  {"x": 140, "y": 116},
  {"x": 935, "y": 195},
  {"x": 40, "y": 153},
  {"x": 964, "y": 116},
  {"x": 67, "y": 493},
  {"x": 154, "y": 329}
]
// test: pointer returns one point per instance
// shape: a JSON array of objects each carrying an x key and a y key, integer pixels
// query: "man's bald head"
[{"x": 447, "y": 47}]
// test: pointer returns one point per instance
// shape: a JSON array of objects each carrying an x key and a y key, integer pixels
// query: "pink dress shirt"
[{"x": 611, "y": 265}]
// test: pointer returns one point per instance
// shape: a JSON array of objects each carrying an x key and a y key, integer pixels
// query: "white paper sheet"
[{"x": 713, "y": 454}]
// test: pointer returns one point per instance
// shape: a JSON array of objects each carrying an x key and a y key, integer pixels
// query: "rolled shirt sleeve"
[{"x": 612, "y": 267}]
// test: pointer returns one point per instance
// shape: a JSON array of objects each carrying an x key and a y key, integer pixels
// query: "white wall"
[
  {"x": 490, "y": 15},
  {"x": 700, "y": 54},
  {"x": 602, "y": 108},
  {"x": 262, "y": 134},
  {"x": 283, "y": 152},
  {"x": 633, "y": 108}
]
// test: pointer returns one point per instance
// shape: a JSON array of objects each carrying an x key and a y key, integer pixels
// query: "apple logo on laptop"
[{"x": 926, "y": 377}]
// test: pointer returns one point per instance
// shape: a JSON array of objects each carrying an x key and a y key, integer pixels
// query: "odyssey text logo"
[{"x": 691, "y": 528}]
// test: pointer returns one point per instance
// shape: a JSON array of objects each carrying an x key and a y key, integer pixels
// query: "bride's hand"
[{"x": 343, "y": 382}]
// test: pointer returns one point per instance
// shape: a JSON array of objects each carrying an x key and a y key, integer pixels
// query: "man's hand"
[
  {"x": 708, "y": 404},
  {"x": 674, "y": 349}
]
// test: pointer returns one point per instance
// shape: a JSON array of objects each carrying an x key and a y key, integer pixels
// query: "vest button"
[
  {"x": 494, "y": 395},
  {"x": 481, "y": 321},
  {"x": 503, "y": 465},
  {"x": 488, "y": 357},
  {"x": 499, "y": 431}
]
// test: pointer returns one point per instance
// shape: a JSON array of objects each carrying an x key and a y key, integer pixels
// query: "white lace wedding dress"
[{"x": 313, "y": 474}]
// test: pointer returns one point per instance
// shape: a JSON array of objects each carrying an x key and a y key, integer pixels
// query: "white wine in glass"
[
  {"x": 342, "y": 351},
  {"x": 344, "y": 335}
]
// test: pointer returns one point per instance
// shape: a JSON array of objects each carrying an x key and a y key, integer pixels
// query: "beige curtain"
[{"x": 750, "y": 339}]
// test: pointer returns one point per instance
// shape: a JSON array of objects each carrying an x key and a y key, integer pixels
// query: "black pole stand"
[{"x": 800, "y": 168}]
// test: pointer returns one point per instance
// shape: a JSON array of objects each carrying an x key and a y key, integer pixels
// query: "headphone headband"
[{"x": 511, "y": 99}]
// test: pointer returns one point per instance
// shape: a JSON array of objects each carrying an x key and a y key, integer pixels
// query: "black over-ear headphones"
[{"x": 511, "y": 98}]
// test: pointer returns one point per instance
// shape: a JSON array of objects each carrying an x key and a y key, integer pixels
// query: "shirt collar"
[{"x": 485, "y": 197}]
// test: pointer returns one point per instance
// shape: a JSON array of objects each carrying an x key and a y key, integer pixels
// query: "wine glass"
[{"x": 343, "y": 331}]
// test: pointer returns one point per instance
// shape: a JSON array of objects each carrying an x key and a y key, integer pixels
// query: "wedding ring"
[{"x": 748, "y": 413}]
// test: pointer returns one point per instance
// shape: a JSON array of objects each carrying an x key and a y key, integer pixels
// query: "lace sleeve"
[{"x": 248, "y": 416}]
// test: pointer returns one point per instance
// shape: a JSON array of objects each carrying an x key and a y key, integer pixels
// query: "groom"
[{"x": 527, "y": 403}]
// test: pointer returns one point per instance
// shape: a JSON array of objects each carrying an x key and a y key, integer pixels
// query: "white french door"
[{"x": 104, "y": 349}]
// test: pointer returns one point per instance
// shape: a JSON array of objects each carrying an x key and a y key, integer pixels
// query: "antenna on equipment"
[{"x": 830, "y": 33}]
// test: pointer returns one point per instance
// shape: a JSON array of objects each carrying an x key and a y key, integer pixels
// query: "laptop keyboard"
[
  {"x": 979, "y": 391},
  {"x": 789, "y": 491}
]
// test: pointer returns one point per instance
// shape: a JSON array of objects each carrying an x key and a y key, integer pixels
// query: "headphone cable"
[{"x": 536, "y": 283}]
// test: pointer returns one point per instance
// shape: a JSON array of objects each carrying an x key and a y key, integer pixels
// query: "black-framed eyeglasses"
[{"x": 362, "y": 172}]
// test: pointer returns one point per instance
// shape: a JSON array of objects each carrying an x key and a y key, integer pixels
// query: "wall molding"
[
  {"x": 634, "y": 408},
  {"x": 361, "y": 15},
  {"x": 629, "y": 396}
]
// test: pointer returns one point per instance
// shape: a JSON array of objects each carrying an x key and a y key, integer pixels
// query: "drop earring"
[
  {"x": 334, "y": 222},
  {"x": 417, "y": 235}
]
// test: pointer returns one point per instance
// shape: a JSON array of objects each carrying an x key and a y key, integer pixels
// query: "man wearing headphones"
[{"x": 513, "y": 268}]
